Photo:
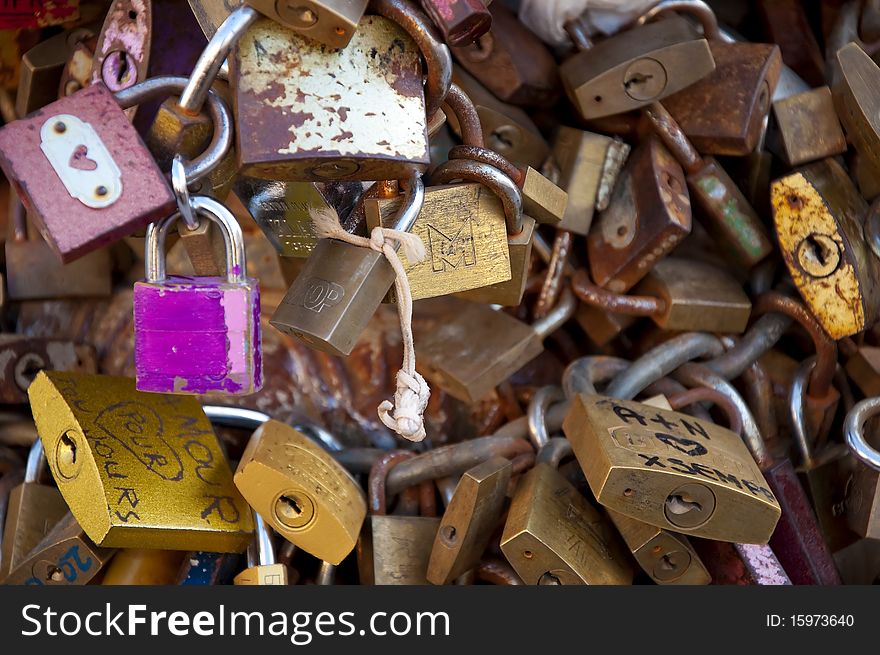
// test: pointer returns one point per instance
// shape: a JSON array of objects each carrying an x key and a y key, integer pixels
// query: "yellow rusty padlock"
[{"x": 138, "y": 470}]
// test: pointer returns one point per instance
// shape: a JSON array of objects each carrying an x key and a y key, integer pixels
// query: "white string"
[
  {"x": 546, "y": 18},
  {"x": 406, "y": 415}
]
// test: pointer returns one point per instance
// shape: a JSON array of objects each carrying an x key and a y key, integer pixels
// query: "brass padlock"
[
  {"x": 21, "y": 358},
  {"x": 33, "y": 509},
  {"x": 471, "y": 515},
  {"x": 818, "y": 215},
  {"x": 589, "y": 167},
  {"x": 667, "y": 557},
  {"x": 65, "y": 556},
  {"x": 634, "y": 68},
  {"x": 332, "y": 22},
  {"x": 554, "y": 536},
  {"x": 724, "y": 112},
  {"x": 301, "y": 491},
  {"x": 263, "y": 569},
  {"x": 395, "y": 549},
  {"x": 341, "y": 287},
  {"x": 138, "y": 469},
  {"x": 649, "y": 214},
  {"x": 808, "y": 128},
  {"x": 477, "y": 348},
  {"x": 671, "y": 470},
  {"x": 282, "y": 209},
  {"x": 305, "y": 130},
  {"x": 511, "y": 62}
]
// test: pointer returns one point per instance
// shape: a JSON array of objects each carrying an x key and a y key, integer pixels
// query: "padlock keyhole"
[
  {"x": 290, "y": 508},
  {"x": 682, "y": 505}
]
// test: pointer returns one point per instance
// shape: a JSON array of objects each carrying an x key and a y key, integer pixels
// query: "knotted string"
[{"x": 406, "y": 415}]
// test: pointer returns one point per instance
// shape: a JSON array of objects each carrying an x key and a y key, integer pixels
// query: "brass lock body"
[
  {"x": 667, "y": 557},
  {"x": 554, "y": 536},
  {"x": 697, "y": 297},
  {"x": 808, "y": 128},
  {"x": 818, "y": 215},
  {"x": 671, "y": 470},
  {"x": 649, "y": 214},
  {"x": 463, "y": 229},
  {"x": 301, "y": 491},
  {"x": 724, "y": 113},
  {"x": 469, "y": 520},
  {"x": 331, "y": 22},
  {"x": 589, "y": 166},
  {"x": 138, "y": 469},
  {"x": 635, "y": 68},
  {"x": 370, "y": 124}
]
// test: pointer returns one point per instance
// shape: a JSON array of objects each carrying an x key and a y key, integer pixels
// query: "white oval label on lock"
[{"x": 81, "y": 161}]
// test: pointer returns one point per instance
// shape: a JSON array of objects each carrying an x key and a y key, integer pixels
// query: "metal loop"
[
  {"x": 698, "y": 9},
  {"x": 853, "y": 428},
  {"x": 460, "y": 104},
  {"x": 537, "y": 412},
  {"x": 208, "y": 66},
  {"x": 662, "y": 360},
  {"x": 235, "y": 417},
  {"x": 236, "y": 263},
  {"x": 582, "y": 375},
  {"x": 490, "y": 177},
  {"x": 263, "y": 538},
  {"x": 438, "y": 58},
  {"x": 554, "y": 451},
  {"x": 411, "y": 207},
  {"x": 181, "y": 192},
  {"x": 221, "y": 117},
  {"x": 488, "y": 156},
  {"x": 558, "y": 316},
  {"x": 36, "y": 462},
  {"x": 797, "y": 411}
]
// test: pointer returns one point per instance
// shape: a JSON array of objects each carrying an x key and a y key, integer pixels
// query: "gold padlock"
[
  {"x": 263, "y": 570},
  {"x": 301, "y": 491},
  {"x": 138, "y": 469},
  {"x": 671, "y": 470}
]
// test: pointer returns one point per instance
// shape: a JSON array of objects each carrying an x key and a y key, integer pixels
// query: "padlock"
[
  {"x": 33, "y": 509},
  {"x": 478, "y": 348},
  {"x": 725, "y": 213},
  {"x": 143, "y": 567},
  {"x": 462, "y": 226},
  {"x": 589, "y": 167},
  {"x": 122, "y": 53},
  {"x": 786, "y": 23},
  {"x": 34, "y": 273},
  {"x": 341, "y": 287},
  {"x": 808, "y": 127},
  {"x": 511, "y": 62},
  {"x": 740, "y": 564},
  {"x": 667, "y": 557},
  {"x": 282, "y": 209},
  {"x": 698, "y": 297},
  {"x": 554, "y": 536},
  {"x": 21, "y": 358},
  {"x": 471, "y": 516},
  {"x": 198, "y": 335},
  {"x": 862, "y": 487},
  {"x": 83, "y": 172},
  {"x": 301, "y": 491},
  {"x": 304, "y": 130},
  {"x": 818, "y": 215},
  {"x": 65, "y": 556},
  {"x": 42, "y": 67},
  {"x": 331, "y": 22},
  {"x": 649, "y": 214},
  {"x": 854, "y": 96},
  {"x": 394, "y": 549},
  {"x": 461, "y": 22},
  {"x": 507, "y": 129},
  {"x": 77, "y": 71},
  {"x": 691, "y": 477},
  {"x": 138, "y": 469},
  {"x": 634, "y": 68},
  {"x": 263, "y": 569}
]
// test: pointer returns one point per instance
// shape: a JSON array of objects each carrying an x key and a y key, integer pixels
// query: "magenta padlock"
[{"x": 198, "y": 335}]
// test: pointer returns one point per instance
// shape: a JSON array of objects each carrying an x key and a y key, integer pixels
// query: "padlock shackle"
[
  {"x": 582, "y": 375},
  {"x": 537, "y": 413},
  {"x": 460, "y": 104},
  {"x": 754, "y": 344},
  {"x": 411, "y": 207},
  {"x": 797, "y": 397},
  {"x": 265, "y": 548},
  {"x": 236, "y": 263},
  {"x": 617, "y": 303},
  {"x": 490, "y": 177},
  {"x": 674, "y": 138},
  {"x": 558, "y": 316},
  {"x": 198, "y": 86},
  {"x": 250, "y": 419},
  {"x": 554, "y": 451},
  {"x": 694, "y": 395},
  {"x": 221, "y": 118},
  {"x": 36, "y": 462},
  {"x": 699, "y": 10},
  {"x": 376, "y": 482},
  {"x": 853, "y": 429},
  {"x": 436, "y": 54},
  {"x": 663, "y": 360},
  {"x": 488, "y": 156}
]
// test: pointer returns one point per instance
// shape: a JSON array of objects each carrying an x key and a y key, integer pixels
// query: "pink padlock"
[{"x": 198, "y": 335}]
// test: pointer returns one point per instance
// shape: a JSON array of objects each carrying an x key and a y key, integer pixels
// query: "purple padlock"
[{"x": 198, "y": 335}]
